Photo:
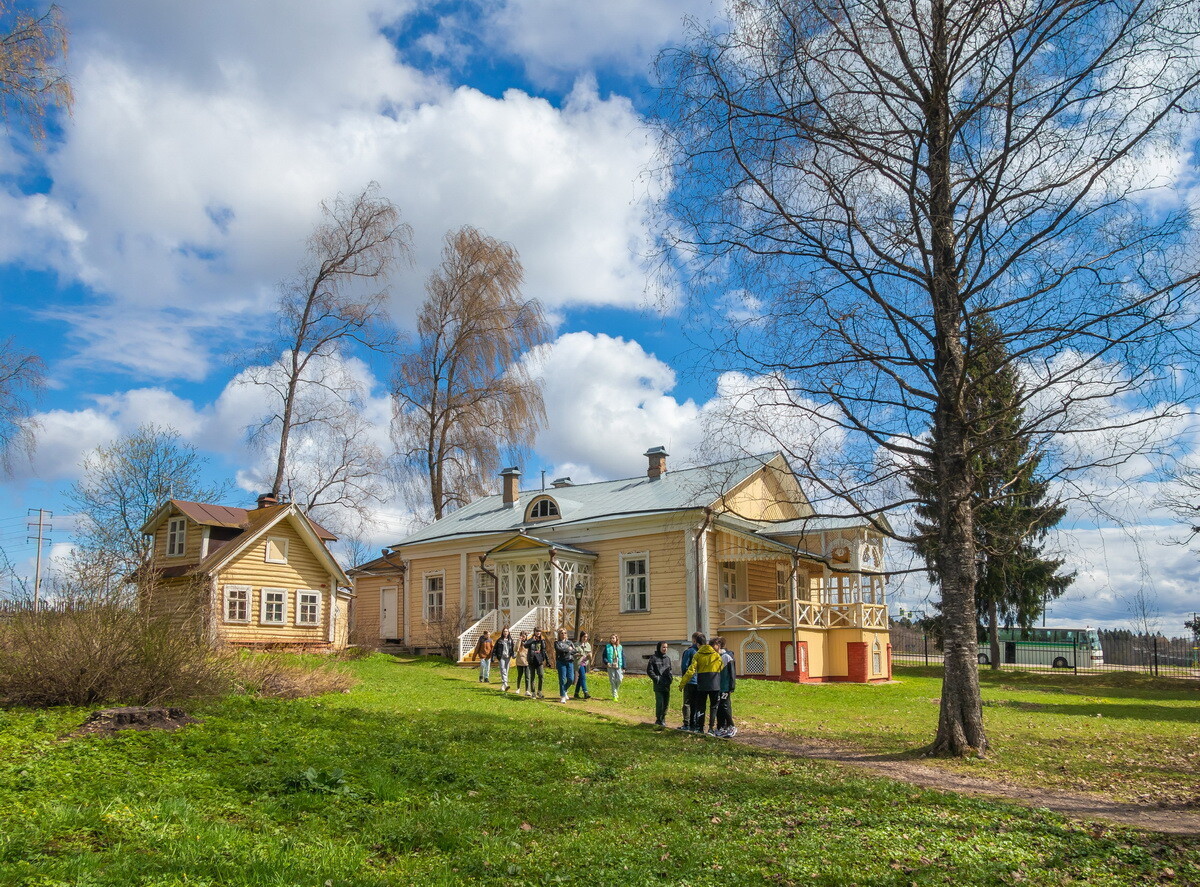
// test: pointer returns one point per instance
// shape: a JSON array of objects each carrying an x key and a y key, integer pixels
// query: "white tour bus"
[{"x": 1047, "y": 647}]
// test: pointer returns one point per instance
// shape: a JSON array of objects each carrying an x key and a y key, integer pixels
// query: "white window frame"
[
  {"x": 280, "y": 542},
  {"x": 301, "y": 593},
  {"x": 426, "y": 610},
  {"x": 176, "y": 536},
  {"x": 481, "y": 579},
  {"x": 644, "y": 557},
  {"x": 262, "y": 606},
  {"x": 545, "y": 503},
  {"x": 727, "y": 574},
  {"x": 248, "y": 594},
  {"x": 783, "y": 585}
]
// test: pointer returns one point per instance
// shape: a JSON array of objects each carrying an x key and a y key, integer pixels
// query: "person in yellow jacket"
[{"x": 706, "y": 665}]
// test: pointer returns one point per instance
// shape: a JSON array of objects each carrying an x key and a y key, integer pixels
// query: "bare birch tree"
[
  {"x": 462, "y": 396},
  {"x": 21, "y": 379},
  {"x": 338, "y": 299},
  {"x": 877, "y": 179},
  {"x": 33, "y": 52},
  {"x": 120, "y": 486}
]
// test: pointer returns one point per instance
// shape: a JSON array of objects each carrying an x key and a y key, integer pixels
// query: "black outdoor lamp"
[{"x": 578, "y": 601}]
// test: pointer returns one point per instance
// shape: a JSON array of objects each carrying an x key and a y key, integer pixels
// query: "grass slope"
[{"x": 421, "y": 775}]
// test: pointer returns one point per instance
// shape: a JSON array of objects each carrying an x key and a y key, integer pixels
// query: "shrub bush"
[
  {"x": 286, "y": 677},
  {"x": 102, "y": 652}
]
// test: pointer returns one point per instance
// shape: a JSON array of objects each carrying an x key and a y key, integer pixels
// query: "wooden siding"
[
  {"x": 761, "y": 497},
  {"x": 304, "y": 570},
  {"x": 191, "y": 543},
  {"x": 667, "y": 616},
  {"x": 180, "y": 601},
  {"x": 422, "y": 634}
]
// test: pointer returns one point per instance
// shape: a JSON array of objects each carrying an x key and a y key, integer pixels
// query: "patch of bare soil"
[
  {"x": 1175, "y": 819},
  {"x": 133, "y": 717}
]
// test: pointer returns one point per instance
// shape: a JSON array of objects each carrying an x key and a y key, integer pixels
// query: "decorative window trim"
[
  {"x": 176, "y": 536},
  {"x": 246, "y": 593},
  {"x": 753, "y": 654},
  {"x": 262, "y": 605},
  {"x": 626, "y": 557},
  {"x": 542, "y": 508},
  {"x": 280, "y": 542},
  {"x": 301, "y": 594},
  {"x": 426, "y": 610}
]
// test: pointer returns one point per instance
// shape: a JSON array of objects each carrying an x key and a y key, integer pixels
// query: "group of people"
[
  {"x": 708, "y": 680},
  {"x": 530, "y": 653}
]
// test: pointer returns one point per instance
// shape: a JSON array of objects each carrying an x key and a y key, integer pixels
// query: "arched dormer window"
[{"x": 543, "y": 508}]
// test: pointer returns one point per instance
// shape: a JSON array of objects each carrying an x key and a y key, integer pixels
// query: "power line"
[{"x": 43, "y": 528}]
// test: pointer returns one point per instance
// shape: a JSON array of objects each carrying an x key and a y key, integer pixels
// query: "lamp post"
[{"x": 578, "y": 601}]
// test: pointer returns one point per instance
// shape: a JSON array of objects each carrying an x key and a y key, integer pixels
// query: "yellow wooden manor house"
[
  {"x": 731, "y": 548},
  {"x": 260, "y": 577}
]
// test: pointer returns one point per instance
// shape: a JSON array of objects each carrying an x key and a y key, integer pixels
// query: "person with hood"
[
  {"x": 535, "y": 648},
  {"x": 689, "y": 689},
  {"x": 706, "y": 665},
  {"x": 725, "y": 727},
  {"x": 502, "y": 652},
  {"x": 483, "y": 654},
  {"x": 614, "y": 661},
  {"x": 583, "y": 661},
  {"x": 564, "y": 660},
  {"x": 658, "y": 669}
]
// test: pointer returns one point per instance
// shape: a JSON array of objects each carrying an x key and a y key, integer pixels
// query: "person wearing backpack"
[
  {"x": 706, "y": 665},
  {"x": 689, "y": 688},
  {"x": 725, "y": 727},
  {"x": 614, "y": 661},
  {"x": 502, "y": 652},
  {"x": 658, "y": 669}
]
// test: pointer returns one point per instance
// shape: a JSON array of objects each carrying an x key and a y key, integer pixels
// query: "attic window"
[
  {"x": 176, "y": 536},
  {"x": 277, "y": 550},
  {"x": 542, "y": 509}
]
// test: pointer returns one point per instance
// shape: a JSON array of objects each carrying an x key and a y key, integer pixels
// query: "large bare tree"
[
  {"x": 33, "y": 52},
  {"x": 875, "y": 179},
  {"x": 462, "y": 396},
  {"x": 338, "y": 300},
  {"x": 120, "y": 486}
]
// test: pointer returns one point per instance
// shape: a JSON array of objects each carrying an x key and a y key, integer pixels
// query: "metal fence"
[{"x": 1123, "y": 651}]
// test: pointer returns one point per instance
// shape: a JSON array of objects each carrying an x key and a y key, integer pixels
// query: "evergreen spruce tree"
[{"x": 1012, "y": 514}]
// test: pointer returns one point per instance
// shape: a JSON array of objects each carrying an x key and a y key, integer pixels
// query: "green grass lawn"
[
  {"x": 421, "y": 775},
  {"x": 1125, "y": 735}
]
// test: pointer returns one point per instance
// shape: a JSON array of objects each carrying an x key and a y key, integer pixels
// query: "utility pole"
[{"x": 43, "y": 527}]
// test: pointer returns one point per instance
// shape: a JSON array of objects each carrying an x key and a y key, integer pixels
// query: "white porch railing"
[
  {"x": 490, "y": 621},
  {"x": 809, "y": 614}
]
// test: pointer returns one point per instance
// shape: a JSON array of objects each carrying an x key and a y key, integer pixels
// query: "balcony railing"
[{"x": 809, "y": 614}]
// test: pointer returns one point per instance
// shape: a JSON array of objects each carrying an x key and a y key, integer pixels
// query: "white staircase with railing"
[{"x": 493, "y": 620}]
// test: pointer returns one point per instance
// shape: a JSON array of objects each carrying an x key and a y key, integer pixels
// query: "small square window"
[
  {"x": 274, "y": 606},
  {"x": 308, "y": 607},
  {"x": 277, "y": 550},
  {"x": 237, "y": 603}
]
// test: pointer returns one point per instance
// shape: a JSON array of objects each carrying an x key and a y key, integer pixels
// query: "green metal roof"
[{"x": 676, "y": 490}]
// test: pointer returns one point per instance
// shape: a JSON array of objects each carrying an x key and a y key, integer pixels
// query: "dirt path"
[{"x": 1170, "y": 820}]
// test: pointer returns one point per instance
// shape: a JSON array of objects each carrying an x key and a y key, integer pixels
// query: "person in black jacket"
[
  {"x": 658, "y": 669},
  {"x": 535, "y": 647},
  {"x": 725, "y": 726},
  {"x": 503, "y": 651}
]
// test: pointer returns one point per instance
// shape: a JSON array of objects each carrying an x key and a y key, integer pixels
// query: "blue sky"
[{"x": 141, "y": 247}]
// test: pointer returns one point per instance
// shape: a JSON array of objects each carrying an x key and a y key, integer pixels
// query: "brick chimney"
[
  {"x": 658, "y": 462},
  {"x": 510, "y": 478},
  {"x": 266, "y": 500}
]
